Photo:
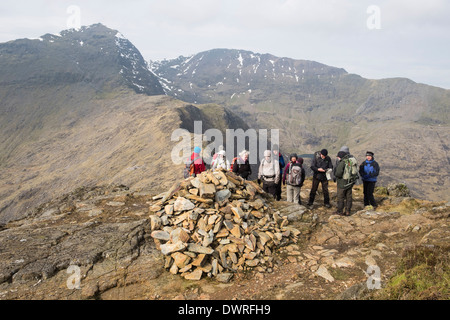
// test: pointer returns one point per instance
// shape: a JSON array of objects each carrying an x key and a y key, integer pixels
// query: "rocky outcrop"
[
  {"x": 103, "y": 239},
  {"x": 112, "y": 243},
  {"x": 398, "y": 190},
  {"x": 109, "y": 240}
]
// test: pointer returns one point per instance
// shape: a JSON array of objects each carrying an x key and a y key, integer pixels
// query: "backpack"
[
  {"x": 317, "y": 156},
  {"x": 189, "y": 168},
  {"x": 294, "y": 176},
  {"x": 350, "y": 171},
  {"x": 232, "y": 163}
]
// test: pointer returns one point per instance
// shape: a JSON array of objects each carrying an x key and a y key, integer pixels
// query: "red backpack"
[
  {"x": 189, "y": 168},
  {"x": 232, "y": 163}
]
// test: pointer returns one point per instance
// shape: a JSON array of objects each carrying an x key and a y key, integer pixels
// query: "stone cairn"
[{"x": 217, "y": 224}]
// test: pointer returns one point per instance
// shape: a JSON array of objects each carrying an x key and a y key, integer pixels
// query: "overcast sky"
[{"x": 375, "y": 39}]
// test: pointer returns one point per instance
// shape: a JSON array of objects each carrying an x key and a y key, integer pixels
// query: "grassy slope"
[{"x": 423, "y": 274}]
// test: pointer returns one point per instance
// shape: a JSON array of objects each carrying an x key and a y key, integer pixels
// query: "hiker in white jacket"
[
  {"x": 221, "y": 161},
  {"x": 269, "y": 173}
]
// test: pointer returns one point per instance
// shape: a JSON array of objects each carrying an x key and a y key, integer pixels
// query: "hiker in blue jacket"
[{"x": 369, "y": 171}]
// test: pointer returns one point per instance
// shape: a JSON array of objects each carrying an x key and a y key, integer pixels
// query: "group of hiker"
[
  {"x": 240, "y": 165},
  {"x": 274, "y": 172}
]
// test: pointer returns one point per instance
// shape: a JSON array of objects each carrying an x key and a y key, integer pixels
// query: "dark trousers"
[
  {"x": 271, "y": 188},
  {"x": 278, "y": 193},
  {"x": 315, "y": 186},
  {"x": 344, "y": 199},
  {"x": 369, "y": 188}
]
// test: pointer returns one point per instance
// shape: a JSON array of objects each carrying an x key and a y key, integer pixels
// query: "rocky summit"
[{"x": 217, "y": 236}]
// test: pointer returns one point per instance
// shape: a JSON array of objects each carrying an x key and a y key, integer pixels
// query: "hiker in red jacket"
[{"x": 199, "y": 164}]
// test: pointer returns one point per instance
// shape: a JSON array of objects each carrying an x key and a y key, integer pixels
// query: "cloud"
[
  {"x": 413, "y": 40},
  {"x": 189, "y": 14},
  {"x": 416, "y": 13},
  {"x": 292, "y": 13}
]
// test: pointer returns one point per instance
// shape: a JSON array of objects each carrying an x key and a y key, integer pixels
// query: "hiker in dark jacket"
[
  {"x": 320, "y": 166},
  {"x": 292, "y": 188},
  {"x": 300, "y": 161},
  {"x": 343, "y": 149},
  {"x": 276, "y": 154},
  {"x": 344, "y": 189},
  {"x": 242, "y": 167},
  {"x": 369, "y": 171}
]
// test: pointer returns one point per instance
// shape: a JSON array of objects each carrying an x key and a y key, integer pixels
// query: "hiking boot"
[
  {"x": 328, "y": 206},
  {"x": 337, "y": 213},
  {"x": 309, "y": 205}
]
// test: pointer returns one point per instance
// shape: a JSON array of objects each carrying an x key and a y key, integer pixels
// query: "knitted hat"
[
  {"x": 294, "y": 155},
  {"x": 197, "y": 150},
  {"x": 369, "y": 153},
  {"x": 324, "y": 152},
  {"x": 267, "y": 153},
  {"x": 341, "y": 154}
]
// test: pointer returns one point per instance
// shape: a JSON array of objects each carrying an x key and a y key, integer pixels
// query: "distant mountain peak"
[
  {"x": 95, "y": 53},
  {"x": 231, "y": 72},
  {"x": 84, "y": 32}
]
